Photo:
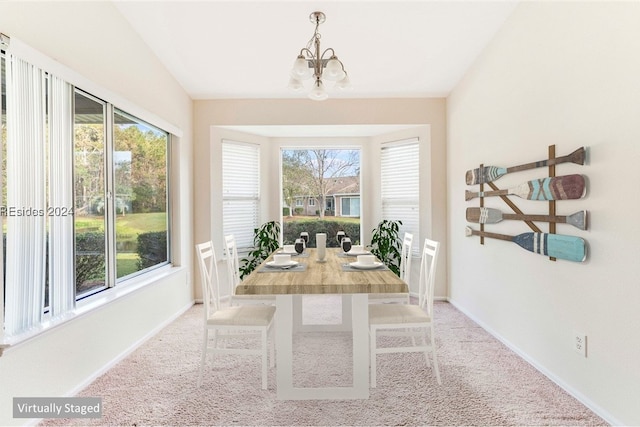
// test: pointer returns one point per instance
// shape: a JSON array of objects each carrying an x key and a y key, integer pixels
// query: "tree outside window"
[{"x": 314, "y": 181}]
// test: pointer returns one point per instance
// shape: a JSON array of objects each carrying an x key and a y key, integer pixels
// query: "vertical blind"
[
  {"x": 26, "y": 196},
  {"x": 39, "y": 222},
  {"x": 240, "y": 191},
  {"x": 400, "y": 185},
  {"x": 61, "y": 269}
]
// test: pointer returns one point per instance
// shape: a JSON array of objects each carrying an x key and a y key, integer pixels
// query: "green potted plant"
[
  {"x": 266, "y": 239},
  {"x": 386, "y": 244}
]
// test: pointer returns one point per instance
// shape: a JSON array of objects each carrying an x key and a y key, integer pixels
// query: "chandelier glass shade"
[{"x": 313, "y": 63}]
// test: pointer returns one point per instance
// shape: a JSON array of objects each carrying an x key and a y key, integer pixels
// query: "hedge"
[
  {"x": 152, "y": 249},
  {"x": 292, "y": 230},
  {"x": 90, "y": 258}
]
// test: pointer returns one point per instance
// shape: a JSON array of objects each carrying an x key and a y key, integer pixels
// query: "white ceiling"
[{"x": 243, "y": 49}]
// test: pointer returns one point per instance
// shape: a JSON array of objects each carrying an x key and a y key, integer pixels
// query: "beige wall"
[
  {"x": 425, "y": 117},
  {"x": 563, "y": 73},
  {"x": 97, "y": 47}
]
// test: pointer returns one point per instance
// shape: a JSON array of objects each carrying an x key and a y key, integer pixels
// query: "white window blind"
[
  {"x": 240, "y": 191},
  {"x": 26, "y": 193},
  {"x": 61, "y": 263},
  {"x": 400, "y": 185}
]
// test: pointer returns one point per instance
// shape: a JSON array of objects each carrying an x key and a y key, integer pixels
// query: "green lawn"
[
  {"x": 127, "y": 229},
  {"x": 141, "y": 223},
  {"x": 129, "y": 224},
  {"x": 127, "y": 263}
]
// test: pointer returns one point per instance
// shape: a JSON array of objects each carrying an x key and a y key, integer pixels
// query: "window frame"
[
  {"x": 314, "y": 145},
  {"x": 117, "y": 280},
  {"x": 90, "y": 301}
]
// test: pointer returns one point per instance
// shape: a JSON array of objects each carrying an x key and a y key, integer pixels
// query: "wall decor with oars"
[{"x": 550, "y": 189}]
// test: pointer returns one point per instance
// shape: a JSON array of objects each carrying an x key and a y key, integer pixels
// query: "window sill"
[{"x": 90, "y": 304}]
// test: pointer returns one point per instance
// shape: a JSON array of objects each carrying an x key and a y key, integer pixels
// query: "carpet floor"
[{"x": 483, "y": 382}]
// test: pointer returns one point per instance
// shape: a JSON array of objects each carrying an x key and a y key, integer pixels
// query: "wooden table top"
[{"x": 321, "y": 278}]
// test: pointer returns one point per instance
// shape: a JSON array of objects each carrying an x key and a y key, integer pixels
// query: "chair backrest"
[
  {"x": 405, "y": 257},
  {"x": 428, "y": 274},
  {"x": 209, "y": 277},
  {"x": 233, "y": 265}
]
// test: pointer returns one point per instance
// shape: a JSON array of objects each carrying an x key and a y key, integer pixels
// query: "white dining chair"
[
  {"x": 405, "y": 274},
  {"x": 222, "y": 323},
  {"x": 233, "y": 276},
  {"x": 408, "y": 320}
]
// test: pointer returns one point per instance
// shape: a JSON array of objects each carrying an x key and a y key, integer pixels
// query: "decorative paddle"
[
  {"x": 552, "y": 188},
  {"x": 493, "y": 216},
  {"x": 491, "y": 173},
  {"x": 559, "y": 246}
]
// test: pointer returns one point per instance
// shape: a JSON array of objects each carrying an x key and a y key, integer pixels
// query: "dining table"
[{"x": 307, "y": 275}]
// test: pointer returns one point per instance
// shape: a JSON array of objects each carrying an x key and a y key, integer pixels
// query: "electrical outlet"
[{"x": 580, "y": 343}]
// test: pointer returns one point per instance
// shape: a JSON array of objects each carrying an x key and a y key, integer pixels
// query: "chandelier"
[{"x": 311, "y": 63}]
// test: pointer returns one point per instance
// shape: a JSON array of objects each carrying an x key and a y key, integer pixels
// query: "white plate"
[
  {"x": 356, "y": 253},
  {"x": 285, "y": 264},
  {"x": 361, "y": 266}
]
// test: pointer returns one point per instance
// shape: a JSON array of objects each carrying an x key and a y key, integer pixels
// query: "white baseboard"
[{"x": 572, "y": 391}]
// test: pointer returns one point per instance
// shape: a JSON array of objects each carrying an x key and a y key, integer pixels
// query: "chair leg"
[
  {"x": 264, "y": 359},
  {"x": 203, "y": 357},
  {"x": 272, "y": 347},
  {"x": 372, "y": 353},
  {"x": 435, "y": 358},
  {"x": 424, "y": 343}
]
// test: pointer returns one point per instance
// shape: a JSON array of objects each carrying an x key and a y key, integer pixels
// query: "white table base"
[
  {"x": 289, "y": 314},
  {"x": 300, "y": 326}
]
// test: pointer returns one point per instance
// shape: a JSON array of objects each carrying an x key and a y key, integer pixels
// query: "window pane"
[
  {"x": 346, "y": 207},
  {"x": 321, "y": 193},
  {"x": 140, "y": 196},
  {"x": 89, "y": 178},
  {"x": 355, "y": 205}
]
